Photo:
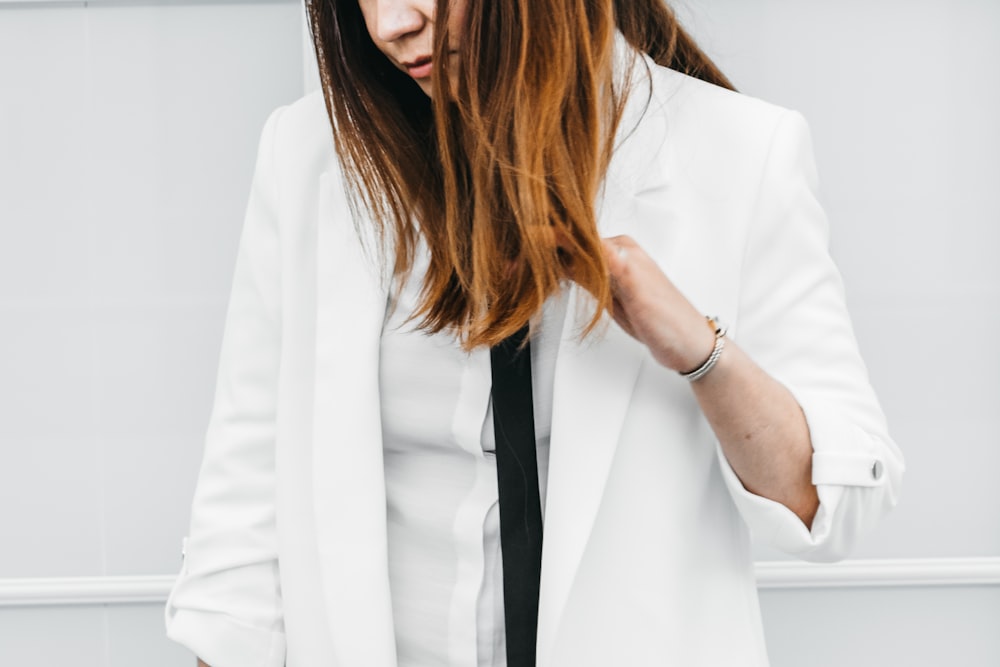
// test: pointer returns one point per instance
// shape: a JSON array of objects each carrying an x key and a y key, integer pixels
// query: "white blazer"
[{"x": 646, "y": 555}]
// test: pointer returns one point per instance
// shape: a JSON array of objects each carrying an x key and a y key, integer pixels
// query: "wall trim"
[
  {"x": 65, "y": 591},
  {"x": 882, "y": 573},
  {"x": 888, "y": 572}
]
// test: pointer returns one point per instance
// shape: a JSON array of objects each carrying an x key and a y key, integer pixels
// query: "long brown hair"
[{"x": 500, "y": 175}]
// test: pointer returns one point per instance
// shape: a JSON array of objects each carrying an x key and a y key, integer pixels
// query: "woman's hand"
[
  {"x": 648, "y": 306},
  {"x": 758, "y": 422}
]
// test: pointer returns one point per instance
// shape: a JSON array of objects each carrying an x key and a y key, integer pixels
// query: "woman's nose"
[{"x": 398, "y": 18}]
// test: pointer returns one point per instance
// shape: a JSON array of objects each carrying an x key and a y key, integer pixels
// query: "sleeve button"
[{"x": 877, "y": 470}]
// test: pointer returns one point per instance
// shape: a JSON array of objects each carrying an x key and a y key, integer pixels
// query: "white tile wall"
[
  {"x": 127, "y": 140},
  {"x": 923, "y": 627},
  {"x": 143, "y": 525},
  {"x": 88, "y": 636},
  {"x": 137, "y": 638},
  {"x": 42, "y": 155},
  {"x": 54, "y": 637},
  {"x": 51, "y": 508}
]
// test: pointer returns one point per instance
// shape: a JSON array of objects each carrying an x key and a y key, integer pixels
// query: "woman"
[{"x": 582, "y": 168}]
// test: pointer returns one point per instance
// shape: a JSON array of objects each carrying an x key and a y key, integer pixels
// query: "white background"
[{"x": 127, "y": 140}]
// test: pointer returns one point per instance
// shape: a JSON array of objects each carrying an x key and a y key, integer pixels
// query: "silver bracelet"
[{"x": 720, "y": 343}]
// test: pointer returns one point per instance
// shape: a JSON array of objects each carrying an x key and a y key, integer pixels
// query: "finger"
[
  {"x": 615, "y": 255},
  {"x": 620, "y": 249},
  {"x": 619, "y": 258},
  {"x": 622, "y": 253}
]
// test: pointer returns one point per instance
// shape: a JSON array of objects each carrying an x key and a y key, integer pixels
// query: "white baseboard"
[
  {"x": 904, "y": 572},
  {"x": 894, "y": 572}
]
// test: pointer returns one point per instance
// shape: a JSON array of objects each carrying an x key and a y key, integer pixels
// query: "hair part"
[{"x": 500, "y": 175}]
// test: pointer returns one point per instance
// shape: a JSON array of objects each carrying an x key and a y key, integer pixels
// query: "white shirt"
[{"x": 445, "y": 566}]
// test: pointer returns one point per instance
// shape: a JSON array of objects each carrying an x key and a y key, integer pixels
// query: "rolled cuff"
[
  {"x": 776, "y": 525},
  {"x": 856, "y": 478},
  {"x": 201, "y": 615},
  {"x": 221, "y": 641}
]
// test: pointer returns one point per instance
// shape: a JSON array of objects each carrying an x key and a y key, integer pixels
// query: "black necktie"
[{"x": 520, "y": 505}]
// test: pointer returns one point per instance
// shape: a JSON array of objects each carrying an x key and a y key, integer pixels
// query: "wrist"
[{"x": 699, "y": 368}]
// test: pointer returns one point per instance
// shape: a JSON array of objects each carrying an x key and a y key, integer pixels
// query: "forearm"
[
  {"x": 760, "y": 425},
  {"x": 762, "y": 430},
  {"x": 201, "y": 664}
]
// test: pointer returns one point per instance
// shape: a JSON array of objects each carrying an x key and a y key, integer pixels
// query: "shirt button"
[{"x": 877, "y": 470}]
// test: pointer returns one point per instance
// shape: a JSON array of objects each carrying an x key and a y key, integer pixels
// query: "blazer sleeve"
[
  {"x": 226, "y": 606},
  {"x": 793, "y": 321}
]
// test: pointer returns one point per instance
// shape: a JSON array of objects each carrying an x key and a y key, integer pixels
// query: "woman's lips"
[{"x": 420, "y": 68}]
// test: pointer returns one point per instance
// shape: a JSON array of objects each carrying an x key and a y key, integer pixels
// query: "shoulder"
[
  {"x": 719, "y": 134},
  {"x": 708, "y": 97},
  {"x": 706, "y": 110},
  {"x": 301, "y": 137}
]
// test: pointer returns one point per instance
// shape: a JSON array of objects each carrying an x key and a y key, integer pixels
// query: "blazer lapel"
[
  {"x": 591, "y": 391},
  {"x": 348, "y": 473},
  {"x": 595, "y": 378}
]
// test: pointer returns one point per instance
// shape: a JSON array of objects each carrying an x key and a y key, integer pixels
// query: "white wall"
[{"x": 127, "y": 137}]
